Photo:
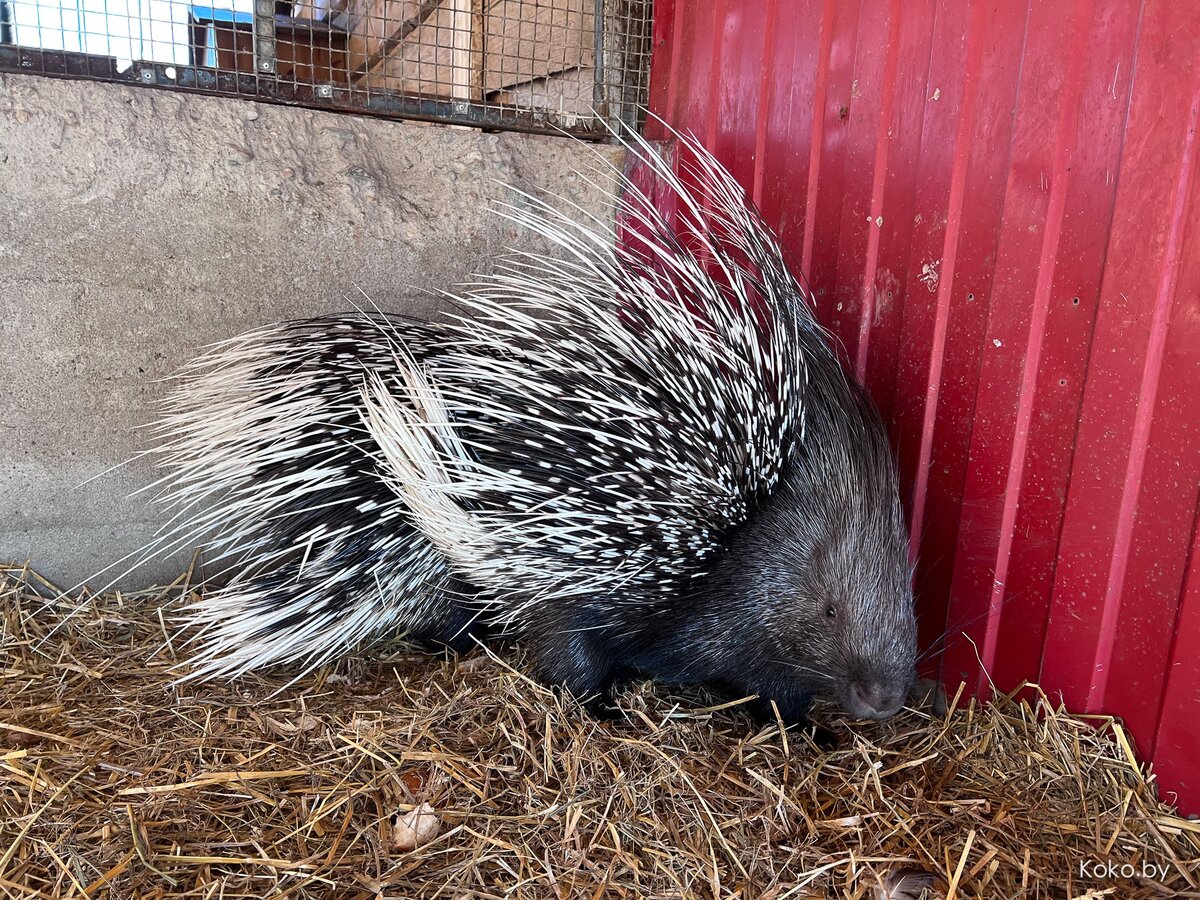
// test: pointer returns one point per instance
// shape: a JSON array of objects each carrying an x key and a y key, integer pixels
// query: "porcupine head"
[
  {"x": 810, "y": 596},
  {"x": 820, "y": 575}
]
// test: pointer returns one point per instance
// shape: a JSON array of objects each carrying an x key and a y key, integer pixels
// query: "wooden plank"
[
  {"x": 527, "y": 41},
  {"x": 439, "y": 50},
  {"x": 354, "y": 19},
  {"x": 424, "y": 62},
  {"x": 478, "y": 47},
  {"x": 564, "y": 93},
  {"x": 381, "y": 26}
]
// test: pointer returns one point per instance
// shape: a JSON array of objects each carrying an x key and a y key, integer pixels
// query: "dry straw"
[{"x": 115, "y": 782}]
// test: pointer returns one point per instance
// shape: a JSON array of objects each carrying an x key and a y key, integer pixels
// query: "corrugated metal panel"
[{"x": 996, "y": 206}]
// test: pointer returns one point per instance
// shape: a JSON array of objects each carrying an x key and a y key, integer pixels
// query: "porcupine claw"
[{"x": 602, "y": 707}]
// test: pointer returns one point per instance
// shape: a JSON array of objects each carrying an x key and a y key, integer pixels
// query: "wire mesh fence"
[{"x": 531, "y": 65}]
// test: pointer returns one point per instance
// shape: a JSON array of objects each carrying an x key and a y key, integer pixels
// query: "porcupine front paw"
[
  {"x": 794, "y": 713},
  {"x": 457, "y": 625},
  {"x": 572, "y": 662}
]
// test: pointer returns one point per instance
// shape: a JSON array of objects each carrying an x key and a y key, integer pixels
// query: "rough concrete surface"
[{"x": 138, "y": 225}]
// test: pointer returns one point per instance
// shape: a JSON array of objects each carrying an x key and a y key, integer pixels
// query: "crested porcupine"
[{"x": 640, "y": 455}]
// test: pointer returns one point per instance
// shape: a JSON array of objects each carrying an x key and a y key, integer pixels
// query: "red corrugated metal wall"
[{"x": 995, "y": 204}]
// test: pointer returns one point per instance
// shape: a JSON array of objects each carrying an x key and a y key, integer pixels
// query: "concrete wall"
[{"x": 138, "y": 225}]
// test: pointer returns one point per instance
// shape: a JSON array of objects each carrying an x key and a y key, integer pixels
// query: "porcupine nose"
[{"x": 873, "y": 700}]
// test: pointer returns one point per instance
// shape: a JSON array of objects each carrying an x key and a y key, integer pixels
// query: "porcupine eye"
[{"x": 831, "y": 611}]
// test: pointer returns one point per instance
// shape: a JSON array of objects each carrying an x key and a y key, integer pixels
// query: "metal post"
[
  {"x": 6, "y": 36},
  {"x": 264, "y": 37},
  {"x": 599, "y": 92}
]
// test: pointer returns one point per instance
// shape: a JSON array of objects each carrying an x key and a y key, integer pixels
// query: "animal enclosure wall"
[
  {"x": 532, "y": 65},
  {"x": 995, "y": 205}
]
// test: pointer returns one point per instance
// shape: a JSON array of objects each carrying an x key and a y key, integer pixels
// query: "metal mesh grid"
[{"x": 530, "y": 65}]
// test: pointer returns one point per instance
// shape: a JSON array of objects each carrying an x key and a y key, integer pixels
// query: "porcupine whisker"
[
  {"x": 957, "y": 632},
  {"x": 804, "y": 669}
]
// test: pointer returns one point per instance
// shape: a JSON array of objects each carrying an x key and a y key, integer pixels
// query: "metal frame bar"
[{"x": 63, "y": 64}]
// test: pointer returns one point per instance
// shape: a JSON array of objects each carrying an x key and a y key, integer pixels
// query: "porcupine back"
[{"x": 590, "y": 426}]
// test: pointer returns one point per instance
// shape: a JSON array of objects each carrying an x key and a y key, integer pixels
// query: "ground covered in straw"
[{"x": 116, "y": 782}]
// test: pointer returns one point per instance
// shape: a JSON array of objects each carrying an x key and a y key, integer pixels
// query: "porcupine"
[{"x": 638, "y": 455}]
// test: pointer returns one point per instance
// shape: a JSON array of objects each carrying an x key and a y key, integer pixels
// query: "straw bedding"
[{"x": 117, "y": 782}]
